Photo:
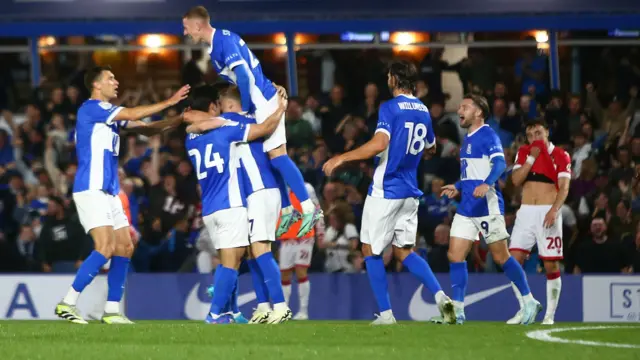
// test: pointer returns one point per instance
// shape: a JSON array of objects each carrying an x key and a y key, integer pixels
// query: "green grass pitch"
[{"x": 56, "y": 340}]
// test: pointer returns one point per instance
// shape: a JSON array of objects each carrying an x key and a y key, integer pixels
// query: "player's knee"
[
  {"x": 401, "y": 253},
  {"x": 366, "y": 250},
  {"x": 127, "y": 249},
  {"x": 301, "y": 272},
  {"x": 455, "y": 255},
  {"x": 519, "y": 256},
  {"x": 106, "y": 248},
  {"x": 285, "y": 275},
  {"x": 551, "y": 266}
]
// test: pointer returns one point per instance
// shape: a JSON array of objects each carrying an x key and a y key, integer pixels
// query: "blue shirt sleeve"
[
  {"x": 385, "y": 116},
  {"x": 231, "y": 54},
  {"x": 496, "y": 155},
  {"x": 244, "y": 85},
  {"x": 103, "y": 112},
  {"x": 235, "y": 132}
]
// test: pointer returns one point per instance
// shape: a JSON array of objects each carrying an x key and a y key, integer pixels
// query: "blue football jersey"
[
  {"x": 255, "y": 164},
  {"x": 97, "y": 147},
  {"x": 215, "y": 160},
  {"x": 476, "y": 152},
  {"x": 407, "y": 122},
  {"x": 228, "y": 51}
]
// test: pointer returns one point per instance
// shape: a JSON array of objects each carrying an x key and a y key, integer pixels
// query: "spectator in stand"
[
  {"x": 299, "y": 132},
  {"x": 504, "y": 126},
  {"x": 341, "y": 238},
  {"x": 26, "y": 256},
  {"x": 333, "y": 114},
  {"x": 435, "y": 209},
  {"x": 437, "y": 253},
  {"x": 7, "y": 158},
  {"x": 581, "y": 152},
  {"x": 311, "y": 114},
  {"x": 614, "y": 118},
  {"x": 368, "y": 110},
  {"x": 530, "y": 71},
  {"x": 601, "y": 253},
  {"x": 431, "y": 69}
]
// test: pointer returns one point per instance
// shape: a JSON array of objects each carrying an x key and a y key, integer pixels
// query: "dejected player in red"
[{"x": 544, "y": 171}]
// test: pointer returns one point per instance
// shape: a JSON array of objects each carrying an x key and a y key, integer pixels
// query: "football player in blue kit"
[{"x": 234, "y": 61}]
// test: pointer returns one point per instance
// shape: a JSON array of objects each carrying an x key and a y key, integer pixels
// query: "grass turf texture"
[{"x": 53, "y": 340}]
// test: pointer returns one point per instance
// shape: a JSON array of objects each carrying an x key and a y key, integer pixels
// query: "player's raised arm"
[
  {"x": 141, "y": 112},
  {"x": 153, "y": 128},
  {"x": 524, "y": 161}
]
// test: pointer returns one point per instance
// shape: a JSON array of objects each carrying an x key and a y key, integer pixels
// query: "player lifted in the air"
[
  {"x": 544, "y": 171},
  {"x": 390, "y": 214},
  {"x": 96, "y": 188},
  {"x": 234, "y": 61},
  {"x": 481, "y": 208},
  {"x": 263, "y": 202}
]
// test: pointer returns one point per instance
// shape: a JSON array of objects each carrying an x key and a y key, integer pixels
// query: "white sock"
[
  {"x": 280, "y": 306},
  {"x": 304, "y": 289},
  {"x": 112, "y": 307},
  {"x": 72, "y": 297},
  {"x": 386, "y": 314},
  {"x": 286, "y": 289},
  {"x": 264, "y": 307},
  {"x": 440, "y": 297},
  {"x": 308, "y": 206},
  {"x": 527, "y": 298},
  {"x": 554, "y": 287},
  {"x": 287, "y": 210},
  {"x": 518, "y": 295},
  {"x": 458, "y": 304}
]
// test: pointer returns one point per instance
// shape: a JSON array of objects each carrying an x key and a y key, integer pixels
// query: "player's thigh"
[
  {"x": 492, "y": 227},
  {"x": 94, "y": 209},
  {"x": 406, "y": 227},
  {"x": 263, "y": 209},
  {"x": 279, "y": 136},
  {"x": 523, "y": 236},
  {"x": 304, "y": 252},
  {"x": 461, "y": 237},
  {"x": 550, "y": 240},
  {"x": 379, "y": 218},
  {"x": 287, "y": 255}
]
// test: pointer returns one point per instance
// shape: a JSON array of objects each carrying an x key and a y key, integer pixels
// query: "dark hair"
[
  {"x": 480, "y": 102},
  {"x": 536, "y": 122},
  {"x": 405, "y": 72},
  {"x": 202, "y": 96},
  {"x": 92, "y": 75},
  {"x": 198, "y": 12}
]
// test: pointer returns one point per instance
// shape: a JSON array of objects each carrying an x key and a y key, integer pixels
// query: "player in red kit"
[{"x": 544, "y": 171}]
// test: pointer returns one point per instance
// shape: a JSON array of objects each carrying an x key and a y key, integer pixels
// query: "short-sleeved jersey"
[
  {"x": 215, "y": 160},
  {"x": 476, "y": 152},
  {"x": 555, "y": 164},
  {"x": 407, "y": 122},
  {"x": 255, "y": 164},
  {"x": 97, "y": 147},
  {"x": 227, "y": 51}
]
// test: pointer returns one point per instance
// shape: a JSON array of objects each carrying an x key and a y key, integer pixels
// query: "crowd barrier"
[{"x": 333, "y": 297}]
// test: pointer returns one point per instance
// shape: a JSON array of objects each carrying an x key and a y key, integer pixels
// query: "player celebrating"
[
  {"x": 235, "y": 62},
  {"x": 390, "y": 214},
  {"x": 255, "y": 215},
  {"x": 96, "y": 188},
  {"x": 295, "y": 254},
  {"x": 481, "y": 208},
  {"x": 544, "y": 170}
]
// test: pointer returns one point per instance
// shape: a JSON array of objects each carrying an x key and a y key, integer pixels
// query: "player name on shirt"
[{"x": 413, "y": 106}]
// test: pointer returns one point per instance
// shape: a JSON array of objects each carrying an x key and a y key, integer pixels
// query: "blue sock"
[
  {"x": 459, "y": 278},
  {"x": 272, "y": 278},
  {"x": 292, "y": 176},
  {"x": 88, "y": 270},
  {"x": 378, "y": 280},
  {"x": 225, "y": 282},
  {"x": 284, "y": 192},
  {"x": 117, "y": 277},
  {"x": 514, "y": 272},
  {"x": 262, "y": 293},
  {"x": 233, "y": 303},
  {"x": 421, "y": 269}
]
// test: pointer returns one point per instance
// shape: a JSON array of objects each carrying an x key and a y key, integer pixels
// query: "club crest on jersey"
[
  {"x": 468, "y": 148},
  {"x": 105, "y": 105}
]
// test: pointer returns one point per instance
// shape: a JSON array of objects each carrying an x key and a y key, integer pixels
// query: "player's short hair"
[
  {"x": 197, "y": 12},
  {"x": 92, "y": 75},
  {"x": 479, "y": 101},
  {"x": 405, "y": 72},
  {"x": 536, "y": 122},
  {"x": 202, "y": 97},
  {"x": 230, "y": 92}
]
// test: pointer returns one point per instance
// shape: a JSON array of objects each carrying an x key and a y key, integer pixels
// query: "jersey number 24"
[
  {"x": 417, "y": 133},
  {"x": 210, "y": 160}
]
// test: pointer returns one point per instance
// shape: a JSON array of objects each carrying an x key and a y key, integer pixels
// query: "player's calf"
[{"x": 225, "y": 280}]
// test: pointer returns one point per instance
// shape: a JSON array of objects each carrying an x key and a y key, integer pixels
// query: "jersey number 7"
[{"x": 210, "y": 160}]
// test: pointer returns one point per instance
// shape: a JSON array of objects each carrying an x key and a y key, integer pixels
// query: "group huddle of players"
[{"x": 236, "y": 142}]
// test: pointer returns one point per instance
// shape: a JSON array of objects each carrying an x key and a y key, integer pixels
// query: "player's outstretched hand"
[
  {"x": 180, "y": 95},
  {"x": 449, "y": 191},
  {"x": 550, "y": 218},
  {"x": 332, "y": 164},
  {"x": 480, "y": 190}
]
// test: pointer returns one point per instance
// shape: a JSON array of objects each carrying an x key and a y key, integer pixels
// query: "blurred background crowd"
[{"x": 599, "y": 126}]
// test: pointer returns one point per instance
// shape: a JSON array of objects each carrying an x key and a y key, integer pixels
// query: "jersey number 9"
[
  {"x": 210, "y": 160},
  {"x": 416, "y": 142}
]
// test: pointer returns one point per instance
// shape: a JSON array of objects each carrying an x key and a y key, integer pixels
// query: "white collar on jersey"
[
  {"x": 408, "y": 96},
  {"x": 551, "y": 147},
  {"x": 476, "y": 130},
  {"x": 210, "y": 49}
]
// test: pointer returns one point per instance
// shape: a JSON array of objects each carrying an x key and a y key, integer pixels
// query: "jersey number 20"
[
  {"x": 210, "y": 160},
  {"x": 416, "y": 142}
]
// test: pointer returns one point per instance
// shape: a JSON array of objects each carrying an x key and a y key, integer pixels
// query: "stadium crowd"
[{"x": 599, "y": 127}]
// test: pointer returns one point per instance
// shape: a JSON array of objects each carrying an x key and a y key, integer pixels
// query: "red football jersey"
[{"x": 553, "y": 163}]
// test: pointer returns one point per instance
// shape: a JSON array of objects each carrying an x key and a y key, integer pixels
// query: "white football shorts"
[
  {"x": 529, "y": 230},
  {"x": 493, "y": 228},
  {"x": 228, "y": 228},
  {"x": 97, "y": 208},
  {"x": 295, "y": 253},
  {"x": 389, "y": 221},
  {"x": 263, "y": 207},
  {"x": 264, "y": 109}
]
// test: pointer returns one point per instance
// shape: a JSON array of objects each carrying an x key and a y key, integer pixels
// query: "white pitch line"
[{"x": 545, "y": 335}]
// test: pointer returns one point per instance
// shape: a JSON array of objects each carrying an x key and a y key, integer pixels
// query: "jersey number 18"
[
  {"x": 210, "y": 160},
  {"x": 417, "y": 133}
]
